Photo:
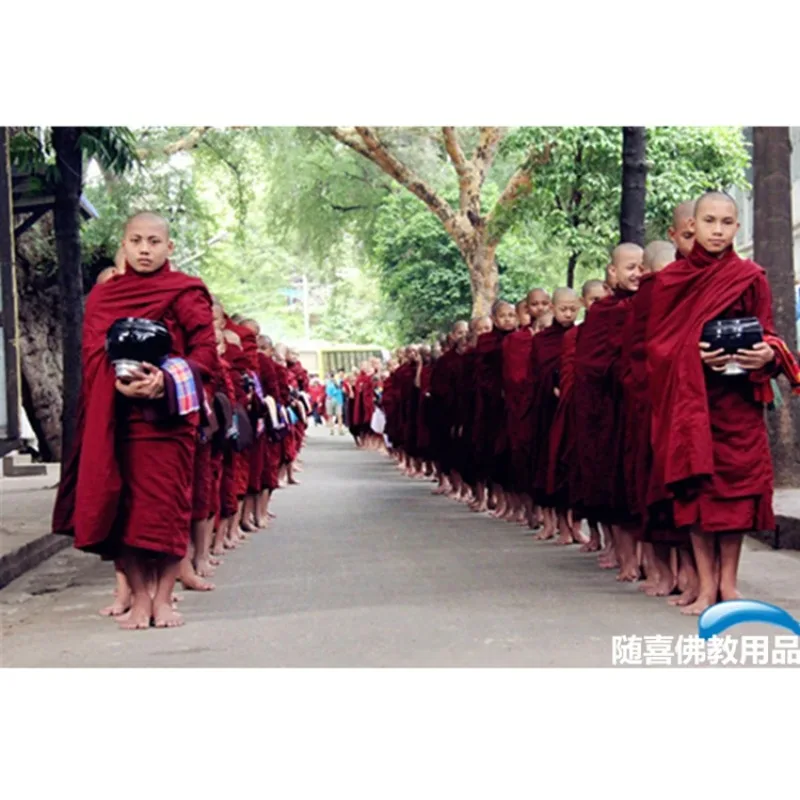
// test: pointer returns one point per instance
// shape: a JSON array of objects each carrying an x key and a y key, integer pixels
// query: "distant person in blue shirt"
[{"x": 334, "y": 402}]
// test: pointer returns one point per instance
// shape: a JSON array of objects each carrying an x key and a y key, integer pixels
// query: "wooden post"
[
  {"x": 8, "y": 277},
  {"x": 773, "y": 243}
]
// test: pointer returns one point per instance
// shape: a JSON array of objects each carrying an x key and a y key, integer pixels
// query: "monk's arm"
[{"x": 193, "y": 312}]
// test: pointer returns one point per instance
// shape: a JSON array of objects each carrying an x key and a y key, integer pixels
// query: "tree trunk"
[
  {"x": 571, "y": 264},
  {"x": 484, "y": 276},
  {"x": 773, "y": 250},
  {"x": 42, "y": 371},
  {"x": 634, "y": 178},
  {"x": 66, "y": 221}
]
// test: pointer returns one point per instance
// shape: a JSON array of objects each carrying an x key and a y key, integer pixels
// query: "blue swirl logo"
[{"x": 719, "y": 618}]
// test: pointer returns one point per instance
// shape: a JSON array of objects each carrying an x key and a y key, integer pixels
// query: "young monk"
[
  {"x": 489, "y": 434},
  {"x": 546, "y": 360},
  {"x": 465, "y": 411},
  {"x": 710, "y": 448},
  {"x": 518, "y": 391},
  {"x": 562, "y": 468},
  {"x": 445, "y": 380},
  {"x": 655, "y": 547},
  {"x": 116, "y": 502},
  {"x": 540, "y": 309},
  {"x": 422, "y": 383},
  {"x": 600, "y": 427},
  {"x": 272, "y": 445}
]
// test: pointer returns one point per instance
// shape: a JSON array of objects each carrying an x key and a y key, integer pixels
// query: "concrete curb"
[{"x": 30, "y": 555}]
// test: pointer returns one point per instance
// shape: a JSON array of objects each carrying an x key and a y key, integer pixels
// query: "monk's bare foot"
[
  {"x": 628, "y": 573},
  {"x": 118, "y": 607},
  {"x": 261, "y": 524},
  {"x": 217, "y": 550},
  {"x": 564, "y": 538},
  {"x": 195, "y": 583},
  {"x": 662, "y": 586},
  {"x": 138, "y": 618},
  {"x": 216, "y": 562},
  {"x": 699, "y": 606},
  {"x": 544, "y": 535},
  {"x": 729, "y": 593},
  {"x": 247, "y": 527},
  {"x": 647, "y": 584},
  {"x": 165, "y": 616},
  {"x": 231, "y": 543},
  {"x": 271, "y": 515},
  {"x": 439, "y": 490},
  {"x": 685, "y": 598},
  {"x": 590, "y": 547},
  {"x": 204, "y": 569},
  {"x": 293, "y": 482},
  {"x": 608, "y": 561}
]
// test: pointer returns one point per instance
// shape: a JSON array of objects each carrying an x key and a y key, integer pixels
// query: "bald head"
[
  {"x": 682, "y": 212},
  {"x": 149, "y": 217},
  {"x": 626, "y": 266},
  {"x": 480, "y": 325},
  {"x": 657, "y": 255},
  {"x": 252, "y": 325},
  {"x": 715, "y": 197},
  {"x": 538, "y": 303}
]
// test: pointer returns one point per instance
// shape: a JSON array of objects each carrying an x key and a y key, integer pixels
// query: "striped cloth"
[
  {"x": 185, "y": 387},
  {"x": 261, "y": 425}
]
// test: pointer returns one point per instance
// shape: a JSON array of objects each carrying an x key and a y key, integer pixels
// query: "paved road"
[{"x": 365, "y": 568}]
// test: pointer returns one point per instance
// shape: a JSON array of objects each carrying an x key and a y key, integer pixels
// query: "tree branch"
[
  {"x": 519, "y": 185},
  {"x": 188, "y": 142},
  {"x": 463, "y": 169},
  {"x": 488, "y": 140},
  {"x": 365, "y": 141}
]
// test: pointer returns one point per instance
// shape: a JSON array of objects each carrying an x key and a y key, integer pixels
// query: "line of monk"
[
  {"x": 178, "y": 463},
  {"x": 623, "y": 433}
]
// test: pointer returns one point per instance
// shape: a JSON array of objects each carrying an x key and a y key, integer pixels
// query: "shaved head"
[
  {"x": 593, "y": 285},
  {"x": 624, "y": 251},
  {"x": 682, "y": 212},
  {"x": 657, "y": 255},
  {"x": 715, "y": 196},
  {"x": 561, "y": 295},
  {"x": 149, "y": 216},
  {"x": 251, "y": 324}
]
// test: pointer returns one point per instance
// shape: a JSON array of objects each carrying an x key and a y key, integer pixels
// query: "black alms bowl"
[
  {"x": 130, "y": 341},
  {"x": 731, "y": 335}
]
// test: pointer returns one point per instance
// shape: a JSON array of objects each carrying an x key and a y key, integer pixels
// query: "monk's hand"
[
  {"x": 760, "y": 355},
  {"x": 556, "y": 391},
  {"x": 147, "y": 383},
  {"x": 716, "y": 360}
]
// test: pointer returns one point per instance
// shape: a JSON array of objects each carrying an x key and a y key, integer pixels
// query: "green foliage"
[{"x": 576, "y": 196}]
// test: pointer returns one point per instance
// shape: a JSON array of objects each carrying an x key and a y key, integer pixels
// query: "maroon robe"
[
  {"x": 489, "y": 434},
  {"x": 130, "y": 476},
  {"x": 518, "y": 391},
  {"x": 562, "y": 432},
  {"x": 710, "y": 450},
  {"x": 546, "y": 363},
  {"x": 598, "y": 411},
  {"x": 442, "y": 408}
]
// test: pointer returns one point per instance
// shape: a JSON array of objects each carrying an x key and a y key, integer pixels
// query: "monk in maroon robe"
[
  {"x": 442, "y": 401},
  {"x": 127, "y": 489},
  {"x": 423, "y": 434},
  {"x": 562, "y": 467},
  {"x": 272, "y": 446},
  {"x": 546, "y": 363},
  {"x": 489, "y": 432},
  {"x": 637, "y": 454},
  {"x": 710, "y": 450},
  {"x": 600, "y": 425},
  {"x": 518, "y": 393}
]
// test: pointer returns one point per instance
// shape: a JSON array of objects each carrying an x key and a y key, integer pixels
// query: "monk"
[
  {"x": 364, "y": 403},
  {"x": 489, "y": 434},
  {"x": 710, "y": 450},
  {"x": 289, "y": 442},
  {"x": 112, "y": 498},
  {"x": 562, "y": 468},
  {"x": 465, "y": 411},
  {"x": 546, "y": 364},
  {"x": 523, "y": 314},
  {"x": 422, "y": 383},
  {"x": 656, "y": 559},
  {"x": 540, "y": 309},
  {"x": 444, "y": 380},
  {"x": 518, "y": 392},
  {"x": 600, "y": 426}
]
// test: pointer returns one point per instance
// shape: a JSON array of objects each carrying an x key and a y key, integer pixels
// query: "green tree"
[{"x": 577, "y": 194}]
